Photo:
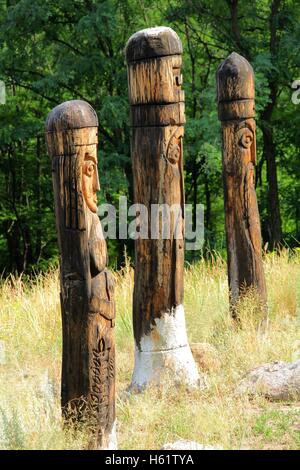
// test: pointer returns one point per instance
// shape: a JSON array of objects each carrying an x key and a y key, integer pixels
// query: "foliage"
[{"x": 54, "y": 51}]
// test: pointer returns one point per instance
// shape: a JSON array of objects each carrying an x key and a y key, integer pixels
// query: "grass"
[{"x": 30, "y": 354}]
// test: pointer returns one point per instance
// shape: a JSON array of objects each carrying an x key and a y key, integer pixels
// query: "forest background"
[{"x": 53, "y": 51}]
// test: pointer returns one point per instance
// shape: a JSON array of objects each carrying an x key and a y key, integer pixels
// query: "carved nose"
[
  {"x": 96, "y": 182},
  {"x": 97, "y": 185}
]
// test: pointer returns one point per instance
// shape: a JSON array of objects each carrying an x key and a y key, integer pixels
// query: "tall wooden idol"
[
  {"x": 235, "y": 88},
  {"x": 87, "y": 288},
  {"x": 154, "y": 59}
]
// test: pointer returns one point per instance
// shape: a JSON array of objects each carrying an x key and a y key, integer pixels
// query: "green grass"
[
  {"x": 278, "y": 426},
  {"x": 30, "y": 330}
]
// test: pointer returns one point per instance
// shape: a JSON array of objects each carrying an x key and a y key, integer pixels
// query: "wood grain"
[{"x": 157, "y": 117}]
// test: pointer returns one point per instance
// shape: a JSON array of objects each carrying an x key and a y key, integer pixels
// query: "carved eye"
[
  {"x": 177, "y": 76},
  {"x": 245, "y": 137},
  {"x": 178, "y": 80},
  {"x": 90, "y": 169}
]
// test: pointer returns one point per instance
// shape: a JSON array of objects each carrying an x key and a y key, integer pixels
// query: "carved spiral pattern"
[{"x": 245, "y": 137}]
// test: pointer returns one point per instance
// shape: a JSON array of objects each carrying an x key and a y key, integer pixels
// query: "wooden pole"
[
  {"x": 235, "y": 88},
  {"x": 154, "y": 58},
  {"x": 87, "y": 288}
]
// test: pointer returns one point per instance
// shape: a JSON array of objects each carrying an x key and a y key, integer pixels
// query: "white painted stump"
[{"x": 165, "y": 351}]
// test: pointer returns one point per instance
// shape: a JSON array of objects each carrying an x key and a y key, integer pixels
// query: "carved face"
[
  {"x": 177, "y": 77},
  {"x": 174, "y": 150},
  {"x": 90, "y": 180}
]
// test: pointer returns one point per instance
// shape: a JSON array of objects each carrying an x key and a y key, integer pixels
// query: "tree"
[{"x": 55, "y": 51}]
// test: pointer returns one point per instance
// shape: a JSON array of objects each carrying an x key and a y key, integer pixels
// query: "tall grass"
[{"x": 30, "y": 355}]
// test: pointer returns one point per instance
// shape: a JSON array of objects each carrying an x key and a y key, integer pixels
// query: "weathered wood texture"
[
  {"x": 235, "y": 88},
  {"x": 153, "y": 43},
  {"x": 87, "y": 288},
  {"x": 158, "y": 179},
  {"x": 157, "y": 117}
]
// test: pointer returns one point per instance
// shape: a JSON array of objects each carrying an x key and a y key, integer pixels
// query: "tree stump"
[
  {"x": 235, "y": 89},
  {"x": 87, "y": 288},
  {"x": 154, "y": 59}
]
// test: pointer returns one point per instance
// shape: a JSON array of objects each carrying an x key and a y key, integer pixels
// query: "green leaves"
[{"x": 55, "y": 51}]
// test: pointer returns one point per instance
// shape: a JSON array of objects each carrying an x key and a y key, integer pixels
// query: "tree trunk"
[
  {"x": 207, "y": 202},
  {"x": 269, "y": 149},
  {"x": 274, "y": 218},
  {"x": 38, "y": 245}
]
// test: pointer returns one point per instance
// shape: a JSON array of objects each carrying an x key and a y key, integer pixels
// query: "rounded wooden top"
[
  {"x": 151, "y": 43},
  {"x": 235, "y": 79},
  {"x": 74, "y": 114}
]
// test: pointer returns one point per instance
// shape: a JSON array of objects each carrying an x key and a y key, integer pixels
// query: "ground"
[{"x": 30, "y": 354}]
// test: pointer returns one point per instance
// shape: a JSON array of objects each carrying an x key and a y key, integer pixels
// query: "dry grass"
[{"x": 30, "y": 333}]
